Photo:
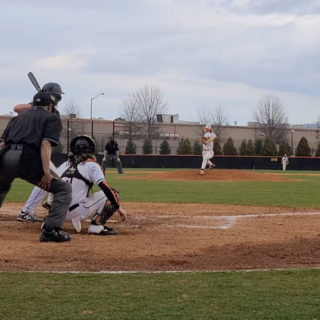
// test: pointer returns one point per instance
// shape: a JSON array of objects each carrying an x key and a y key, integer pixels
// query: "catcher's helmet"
[{"x": 82, "y": 145}]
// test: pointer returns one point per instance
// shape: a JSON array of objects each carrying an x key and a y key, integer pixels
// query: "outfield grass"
[
  {"x": 223, "y": 295},
  {"x": 303, "y": 193}
]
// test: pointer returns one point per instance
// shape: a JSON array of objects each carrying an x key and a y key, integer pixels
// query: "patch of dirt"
[
  {"x": 216, "y": 174},
  {"x": 160, "y": 237}
]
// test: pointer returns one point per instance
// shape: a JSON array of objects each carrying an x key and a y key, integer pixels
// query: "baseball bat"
[{"x": 34, "y": 81}]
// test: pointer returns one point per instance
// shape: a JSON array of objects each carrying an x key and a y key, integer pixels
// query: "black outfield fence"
[{"x": 221, "y": 162}]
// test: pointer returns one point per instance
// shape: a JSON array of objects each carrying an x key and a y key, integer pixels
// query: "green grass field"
[
  {"x": 304, "y": 193},
  {"x": 289, "y": 294}
]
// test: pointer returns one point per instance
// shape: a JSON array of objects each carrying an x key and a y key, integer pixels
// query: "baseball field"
[{"x": 232, "y": 244}]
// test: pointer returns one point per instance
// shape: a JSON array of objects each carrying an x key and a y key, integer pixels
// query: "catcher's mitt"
[{"x": 116, "y": 192}]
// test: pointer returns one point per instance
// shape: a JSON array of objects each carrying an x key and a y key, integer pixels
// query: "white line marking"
[
  {"x": 166, "y": 271},
  {"x": 226, "y": 221}
]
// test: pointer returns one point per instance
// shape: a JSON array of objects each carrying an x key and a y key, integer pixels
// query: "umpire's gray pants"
[
  {"x": 110, "y": 160},
  {"x": 9, "y": 170}
]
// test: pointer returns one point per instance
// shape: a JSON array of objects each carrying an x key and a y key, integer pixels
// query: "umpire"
[
  {"x": 25, "y": 153},
  {"x": 111, "y": 155}
]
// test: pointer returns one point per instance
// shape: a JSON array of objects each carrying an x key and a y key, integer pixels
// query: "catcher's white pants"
[
  {"x": 87, "y": 207},
  {"x": 206, "y": 156}
]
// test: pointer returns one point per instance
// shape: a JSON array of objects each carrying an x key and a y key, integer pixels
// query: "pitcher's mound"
[{"x": 216, "y": 174}]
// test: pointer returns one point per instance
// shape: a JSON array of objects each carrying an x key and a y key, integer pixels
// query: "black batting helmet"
[
  {"x": 82, "y": 145},
  {"x": 53, "y": 88}
]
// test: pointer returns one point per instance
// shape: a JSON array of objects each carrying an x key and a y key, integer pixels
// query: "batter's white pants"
[
  {"x": 37, "y": 195},
  {"x": 206, "y": 156},
  {"x": 34, "y": 200}
]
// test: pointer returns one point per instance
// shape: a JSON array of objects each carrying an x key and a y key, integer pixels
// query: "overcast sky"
[{"x": 200, "y": 53}]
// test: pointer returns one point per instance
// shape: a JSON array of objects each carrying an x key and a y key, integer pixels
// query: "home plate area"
[{"x": 170, "y": 237}]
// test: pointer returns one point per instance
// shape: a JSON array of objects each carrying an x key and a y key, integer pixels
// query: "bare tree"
[
  {"x": 205, "y": 116},
  {"x": 70, "y": 108},
  {"x": 150, "y": 101},
  {"x": 271, "y": 118},
  {"x": 216, "y": 118},
  {"x": 219, "y": 120},
  {"x": 131, "y": 114}
]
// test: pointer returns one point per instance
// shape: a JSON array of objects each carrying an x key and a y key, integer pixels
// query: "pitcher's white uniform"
[{"x": 207, "y": 149}]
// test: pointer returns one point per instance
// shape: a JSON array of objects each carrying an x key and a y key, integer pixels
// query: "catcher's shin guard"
[{"x": 107, "y": 211}]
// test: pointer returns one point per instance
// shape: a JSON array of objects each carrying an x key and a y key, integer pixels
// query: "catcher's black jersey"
[{"x": 33, "y": 126}]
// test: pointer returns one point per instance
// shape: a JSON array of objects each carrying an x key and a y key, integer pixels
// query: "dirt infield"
[
  {"x": 217, "y": 175},
  {"x": 166, "y": 237},
  {"x": 170, "y": 237}
]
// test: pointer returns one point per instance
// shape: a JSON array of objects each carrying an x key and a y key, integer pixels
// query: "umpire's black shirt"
[{"x": 31, "y": 127}]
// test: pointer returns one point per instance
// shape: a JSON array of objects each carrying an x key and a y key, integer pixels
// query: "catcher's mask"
[{"x": 82, "y": 145}]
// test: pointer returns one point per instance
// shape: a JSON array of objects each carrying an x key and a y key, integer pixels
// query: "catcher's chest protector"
[{"x": 73, "y": 172}]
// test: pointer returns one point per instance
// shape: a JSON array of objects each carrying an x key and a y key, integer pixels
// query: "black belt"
[
  {"x": 76, "y": 205},
  {"x": 16, "y": 146},
  {"x": 206, "y": 149}
]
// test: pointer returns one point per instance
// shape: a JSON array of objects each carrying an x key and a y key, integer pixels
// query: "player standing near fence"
[{"x": 207, "y": 149}]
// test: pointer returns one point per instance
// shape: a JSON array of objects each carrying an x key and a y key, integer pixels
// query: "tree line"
[
  {"x": 247, "y": 148},
  {"x": 139, "y": 111}
]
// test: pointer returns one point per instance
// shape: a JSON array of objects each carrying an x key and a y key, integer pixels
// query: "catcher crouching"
[{"x": 82, "y": 172}]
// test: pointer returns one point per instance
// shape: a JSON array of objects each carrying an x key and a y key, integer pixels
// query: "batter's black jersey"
[{"x": 33, "y": 126}]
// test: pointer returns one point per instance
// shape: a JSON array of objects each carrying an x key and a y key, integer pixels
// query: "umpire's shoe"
[{"x": 49, "y": 234}]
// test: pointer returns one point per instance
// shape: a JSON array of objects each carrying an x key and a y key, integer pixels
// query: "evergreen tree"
[
  {"x": 229, "y": 148},
  {"x": 184, "y": 146},
  {"x": 269, "y": 148},
  {"x": 187, "y": 146},
  {"x": 243, "y": 147},
  {"x": 217, "y": 147},
  {"x": 258, "y": 144},
  {"x": 147, "y": 146},
  {"x": 250, "y": 148},
  {"x": 284, "y": 148},
  {"x": 196, "y": 148},
  {"x": 164, "y": 147},
  {"x": 303, "y": 148},
  {"x": 180, "y": 146},
  {"x": 131, "y": 148},
  {"x": 318, "y": 150}
]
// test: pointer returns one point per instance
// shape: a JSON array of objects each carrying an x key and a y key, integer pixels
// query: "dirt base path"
[{"x": 164, "y": 237}]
